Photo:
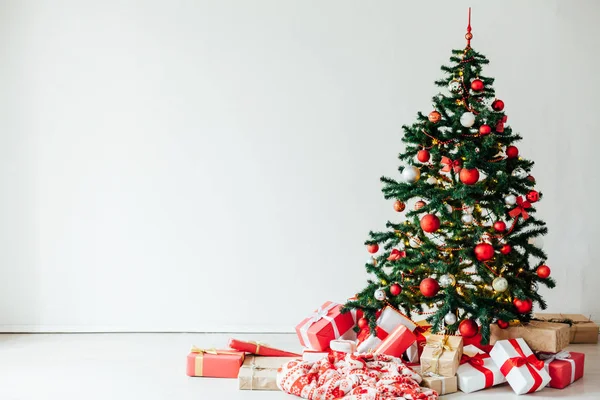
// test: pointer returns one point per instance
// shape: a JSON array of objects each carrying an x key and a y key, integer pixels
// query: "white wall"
[{"x": 214, "y": 165}]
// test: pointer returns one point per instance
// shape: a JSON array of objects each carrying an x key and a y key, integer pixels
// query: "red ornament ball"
[
  {"x": 499, "y": 127},
  {"x": 502, "y": 324},
  {"x": 485, "y": 130},
  {"x": 468, "y": 328},
  {"x": 363, "y": 323},
  {"x": 531, "y": 179},
  {"x": 477, "y": 85},
  {"x": 399, "y": 206},
  {"x": 500, "y": 226},
  {"x": 484, "y": 251},
  {"x": 429, "y": 287},
  {"x": 523, "y": 306},
  {"x": 373, "y": 248},
  {"x": 395, "y": 289},
  {"x": 512, "y": 152},
  {"x": 469, "y": 176},
  {"x": 430, "y": 223},
  {"x": 533, "y": 196},
  {"x": 498, "y": 105},
  {"x": 423, "y": 156},
  {"x": 420, "y": 204},
  {"x": 543, "y": 271},
  {"x": 434, "y": 116},
  {"x": 505, "y": 249}
]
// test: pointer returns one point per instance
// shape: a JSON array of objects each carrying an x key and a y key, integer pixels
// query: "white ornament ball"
[
  {"x": 450, "y": 319},
  {"x": 380, "y": 294},
  {"x": 372, "y": 261},
  {"x": 500, "y": 284},
  {"x": 519, "y": 173},
  {"x": 467, "y": 119},
  {"x": 534, "y": 286},
  {"x": 414, "y": 243},
  {"x": 449, "y": 208},
  {"x": 432, "y": 181},
  {"x": 537, "y": 242},
  {"x": 447, "y": 280},
  {"x": 411, "y": 174},
  {"x": 454, "y": 86},
  {"x": 510, "y": 200},
  {"x": 467, "y": 219}
]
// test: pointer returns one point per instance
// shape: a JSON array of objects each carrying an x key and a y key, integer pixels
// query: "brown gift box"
[
  {"x": 260, "y": 373},
  {"x": 583, "y": 330},
  {"x": 539, "y": 336},
  {"x": 441, "y": 384},
  {"x": 441, "y": 355}
]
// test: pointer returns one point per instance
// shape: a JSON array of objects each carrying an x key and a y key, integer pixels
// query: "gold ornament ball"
[
  {"x": 434, "y": 116},
  {"x": 383, "y": 282},
  {"x": 460, "y": 73},
  {"x": 399, "y": 206}
]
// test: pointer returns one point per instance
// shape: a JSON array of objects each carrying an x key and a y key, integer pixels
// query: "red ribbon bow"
[
  {"x": 519, "y": 210},
  {"x": 477, "y": 362},
  {"x": 531, "y": 362},
  {"x": 449, "y": 164},
  {"x": 396, "y": 254}
]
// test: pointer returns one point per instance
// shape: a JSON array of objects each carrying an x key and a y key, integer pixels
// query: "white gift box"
[
  {"x": 313, "y": 355},
  {"x": 479, "y": 372},
  {"x": 344, "y": 346},
  {"x": 389, "y": 320},
  {"x": 523, "y": 371}
]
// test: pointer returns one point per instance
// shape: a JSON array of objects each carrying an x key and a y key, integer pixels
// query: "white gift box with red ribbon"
[
  {"x": 477, "y": 370},
  {"x": 388, "y": 320},
  {"x": 524, "y": 372}
]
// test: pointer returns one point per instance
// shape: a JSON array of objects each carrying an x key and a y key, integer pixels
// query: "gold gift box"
[{"x": 441, "y": 384}]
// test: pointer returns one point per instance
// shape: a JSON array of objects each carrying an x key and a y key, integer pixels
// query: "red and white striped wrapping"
[
  {"x": 389, "y": 320},
  {"x": 477, "y": 370},
  {"x": 396, "y": 342},
  {"x": 564, "y": 368},
  {"x": 523, "y": 371},
  {"x": 327, "y": 323}
]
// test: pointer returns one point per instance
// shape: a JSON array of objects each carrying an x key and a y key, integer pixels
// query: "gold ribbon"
[
  {"x": 438, "y": 349},
  {"x": 258, "y": 344},
  {"x": 199, "y": 361}
]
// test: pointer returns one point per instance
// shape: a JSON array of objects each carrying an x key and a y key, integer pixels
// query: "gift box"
[
  {"x": 260, "y": 373},
  {"x": 422, "y": 331},
  {"x": 583, "y": 329},
  {"x": 324, "y": 325},
  {"x": 214, "y": 363},
  {"x": 388, "y": 320},
  {"x": 521, "y": 368},
  {"x": 311, "y": 355},
  {"x": 396, "y": 342},
  {"x": 477, "y": 370},
  {"x": 259, "y": 348},
  {"x": 540, "y": 336},
  {"x": 343, "y": 346},
  {"x": 441, "y": 384},
  {"x": 441, "y": 355},
  {"x": 564, "y": 368}
]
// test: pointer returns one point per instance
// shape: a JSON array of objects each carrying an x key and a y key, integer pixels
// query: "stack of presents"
[{"x": 528, "y": 357}]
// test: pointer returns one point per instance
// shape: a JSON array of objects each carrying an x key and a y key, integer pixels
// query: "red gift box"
[
  {"x": 388, "y": 320},
  {"x": 396, "y": 342},
  {"x": 327, "y": 323},
  {"x": 259, "y": 348},
  {"x": 214, "y": 363},
  {"x": 564, "y": 367}
]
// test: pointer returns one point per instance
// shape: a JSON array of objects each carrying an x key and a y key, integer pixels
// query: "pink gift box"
[{"x": 327, "y": 323}]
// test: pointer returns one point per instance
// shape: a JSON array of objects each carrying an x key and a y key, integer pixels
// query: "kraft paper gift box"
[
  {"x": 548, "y": 337},
  {"x": 582, "y": 329},
  {"x": 441, "y": 355},
  {"x": 388, "y": 320},
  {"x": 477, "y": 370},
  {"x": 524, "y": 372},
  {"x": 441, "y": 384},
  {"x": 396, "y": 342},
  {"x": 327, "y": 323},
  {"x": 214, "y": 363},
  {"x": 564, "y": 368},
  {"x": 259, "y": 348},
  {"x": 260, "y": 373}
]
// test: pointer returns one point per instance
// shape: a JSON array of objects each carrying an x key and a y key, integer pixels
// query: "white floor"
[{"x": 152, "y": 367}]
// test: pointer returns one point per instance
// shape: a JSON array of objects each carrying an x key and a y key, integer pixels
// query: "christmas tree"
[{"x": 469, "y": 251}]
